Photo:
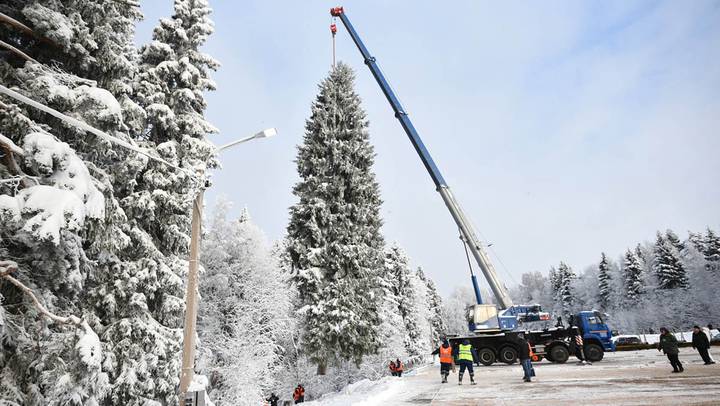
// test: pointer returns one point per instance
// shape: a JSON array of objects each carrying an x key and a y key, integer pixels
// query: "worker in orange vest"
[
  {"x": 299, "y": 394},
  {"x": 393, "y": 368},
  {"x": 446, "y": 359},
  {"x": 398, "y": 367}
]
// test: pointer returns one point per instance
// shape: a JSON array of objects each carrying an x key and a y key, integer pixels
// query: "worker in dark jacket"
[
  {"x": 446, "y": 359},
  {"x": 273, "y": 400},
  {"x": 701, "y": 344},
  {"x": 525, "y": 354},
  {"x": 669, "y": 345},
  {"x": 466, "y": 355}
]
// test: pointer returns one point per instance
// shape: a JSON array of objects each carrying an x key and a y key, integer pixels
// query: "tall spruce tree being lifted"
[{"x": 334, "y": 233}]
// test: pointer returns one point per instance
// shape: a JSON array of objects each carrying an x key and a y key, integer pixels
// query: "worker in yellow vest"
[{"x": 466, "y": 355}]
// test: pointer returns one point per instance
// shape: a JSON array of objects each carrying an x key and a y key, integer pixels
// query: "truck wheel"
[
  {"x": 559, "y": 354},
  {"x": 486, "y": 356},
  {"x": 508, "y": 355},
  {"x": 594, "y": 352}
]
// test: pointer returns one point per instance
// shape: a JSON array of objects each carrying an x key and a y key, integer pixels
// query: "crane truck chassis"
[
  {"x": 553, "y": 344},
  {"x": 494, "y": 333}
]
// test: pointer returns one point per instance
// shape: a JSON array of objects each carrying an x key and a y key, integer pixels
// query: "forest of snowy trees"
[
  {"x": 95, "y": 233},
  {"x": 95, "y": 227},
  {"x": 670, "y": 281}
]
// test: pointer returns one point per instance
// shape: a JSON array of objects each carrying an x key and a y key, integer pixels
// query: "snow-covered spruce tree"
[
  {"x": 144, "y": 300},
  {"x": 243, "y": 317},
  {"x": 667, "y": 266},
  {"x": 334, "y": 232},
  {"x": 711, "y": 251},
  {"x": 633, "y": 280},
  {"x": 565, "y": 295},
  {"x": 674, "y": 240},
  {"x": 604, "y": 283},
  {"x": 411, "y": 307},
  {"x": 435, "y": 306},
  {"x": 70, "y": 219}
]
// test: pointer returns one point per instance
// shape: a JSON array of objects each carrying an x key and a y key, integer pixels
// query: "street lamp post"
[{"x": 191, "y": 294}]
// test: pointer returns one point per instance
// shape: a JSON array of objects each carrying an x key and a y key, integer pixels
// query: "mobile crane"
[{"x": 493, "y": 332}]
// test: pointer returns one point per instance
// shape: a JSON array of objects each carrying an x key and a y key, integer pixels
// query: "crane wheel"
[
  {"x": 508, "y": 355},
  {"x": 486, "y": 356},
  {"x": 559, "y": 354},
  {"x": 594, "y": 352}
]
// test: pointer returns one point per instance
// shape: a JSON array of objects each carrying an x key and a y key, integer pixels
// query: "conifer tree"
[
  {"x": 397, "y": 265},
  {"x": 565, "y": 277},
  {"x": 640, "y": 254},
  {"x": 435, "y": 306},
  {"x": 334, "y": 236},
  {"x": 632, "y": 271},
  {"x": 667, "y": 265},
  {"x": 711, "y": 245},
  {"x": 604, "y": 282},
  {"x": 674, "y": 240},
  {"x": 72, "y": 224}
]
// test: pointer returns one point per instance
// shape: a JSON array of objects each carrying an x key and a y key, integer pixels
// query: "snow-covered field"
[{"x": 622, "y": 378}]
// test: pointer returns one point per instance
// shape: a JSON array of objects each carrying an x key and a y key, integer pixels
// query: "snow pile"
[{"x": 364, "y": 393}]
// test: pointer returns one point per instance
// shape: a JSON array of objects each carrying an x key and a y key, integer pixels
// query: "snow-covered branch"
[{"x": 8, "y": 267}]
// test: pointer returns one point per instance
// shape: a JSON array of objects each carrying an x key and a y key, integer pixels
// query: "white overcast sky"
[{"x": 564, "y": 128}]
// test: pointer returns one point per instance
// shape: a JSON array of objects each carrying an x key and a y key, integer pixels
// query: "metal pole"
[
  {"x": 333, "y": 39},
  {"x": 191, "y": 300}
]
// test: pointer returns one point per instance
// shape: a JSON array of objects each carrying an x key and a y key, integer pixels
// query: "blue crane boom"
[{"x": 467, "y": 232}]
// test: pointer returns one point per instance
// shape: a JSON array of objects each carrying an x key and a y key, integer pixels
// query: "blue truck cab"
[{"x": 594, "y": 332}]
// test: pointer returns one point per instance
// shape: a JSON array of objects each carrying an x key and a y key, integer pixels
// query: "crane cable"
[
  {"x": 467, "y": 254},
  {"x": 333, "y": 30}
]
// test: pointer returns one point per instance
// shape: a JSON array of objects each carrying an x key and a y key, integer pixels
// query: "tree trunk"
[{"x": 322, "y": 367}]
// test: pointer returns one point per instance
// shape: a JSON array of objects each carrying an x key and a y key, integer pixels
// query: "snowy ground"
[{"x": 622, "y": 378}]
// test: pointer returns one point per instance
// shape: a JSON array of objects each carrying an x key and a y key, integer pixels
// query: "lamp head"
[{"x": 270, "y": 132}]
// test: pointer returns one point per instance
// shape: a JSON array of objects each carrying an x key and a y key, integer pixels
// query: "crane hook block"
[
  {"x": 336, "y": 11},
  {"x": 333, "y": 28}
]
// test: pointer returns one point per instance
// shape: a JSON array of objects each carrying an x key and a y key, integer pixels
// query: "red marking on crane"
[
  {"x": 333, "y": 28},
  {"x": 336, "y": 11}
]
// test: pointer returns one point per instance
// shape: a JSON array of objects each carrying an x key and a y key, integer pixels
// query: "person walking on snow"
[
  {"x": 525, "y": 354},
  {"x": 398, "y": 368},
  {"x": 701, "y": 344},
  {"x": 669, "y": 345},
  {"x": 466, "y": 355},
  {"x": 446, "y": 359},
  {"x": 299, "y": 394}
]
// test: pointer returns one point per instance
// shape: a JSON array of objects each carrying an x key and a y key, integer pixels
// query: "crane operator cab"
[
  {"x": 484, "y": 317},
  {"x": 595, "y": 333}
]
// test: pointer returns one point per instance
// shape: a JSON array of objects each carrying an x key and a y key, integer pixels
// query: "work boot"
[
  {"x": 472, "y": 379},
  {"x": 527, "y": 380}
]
